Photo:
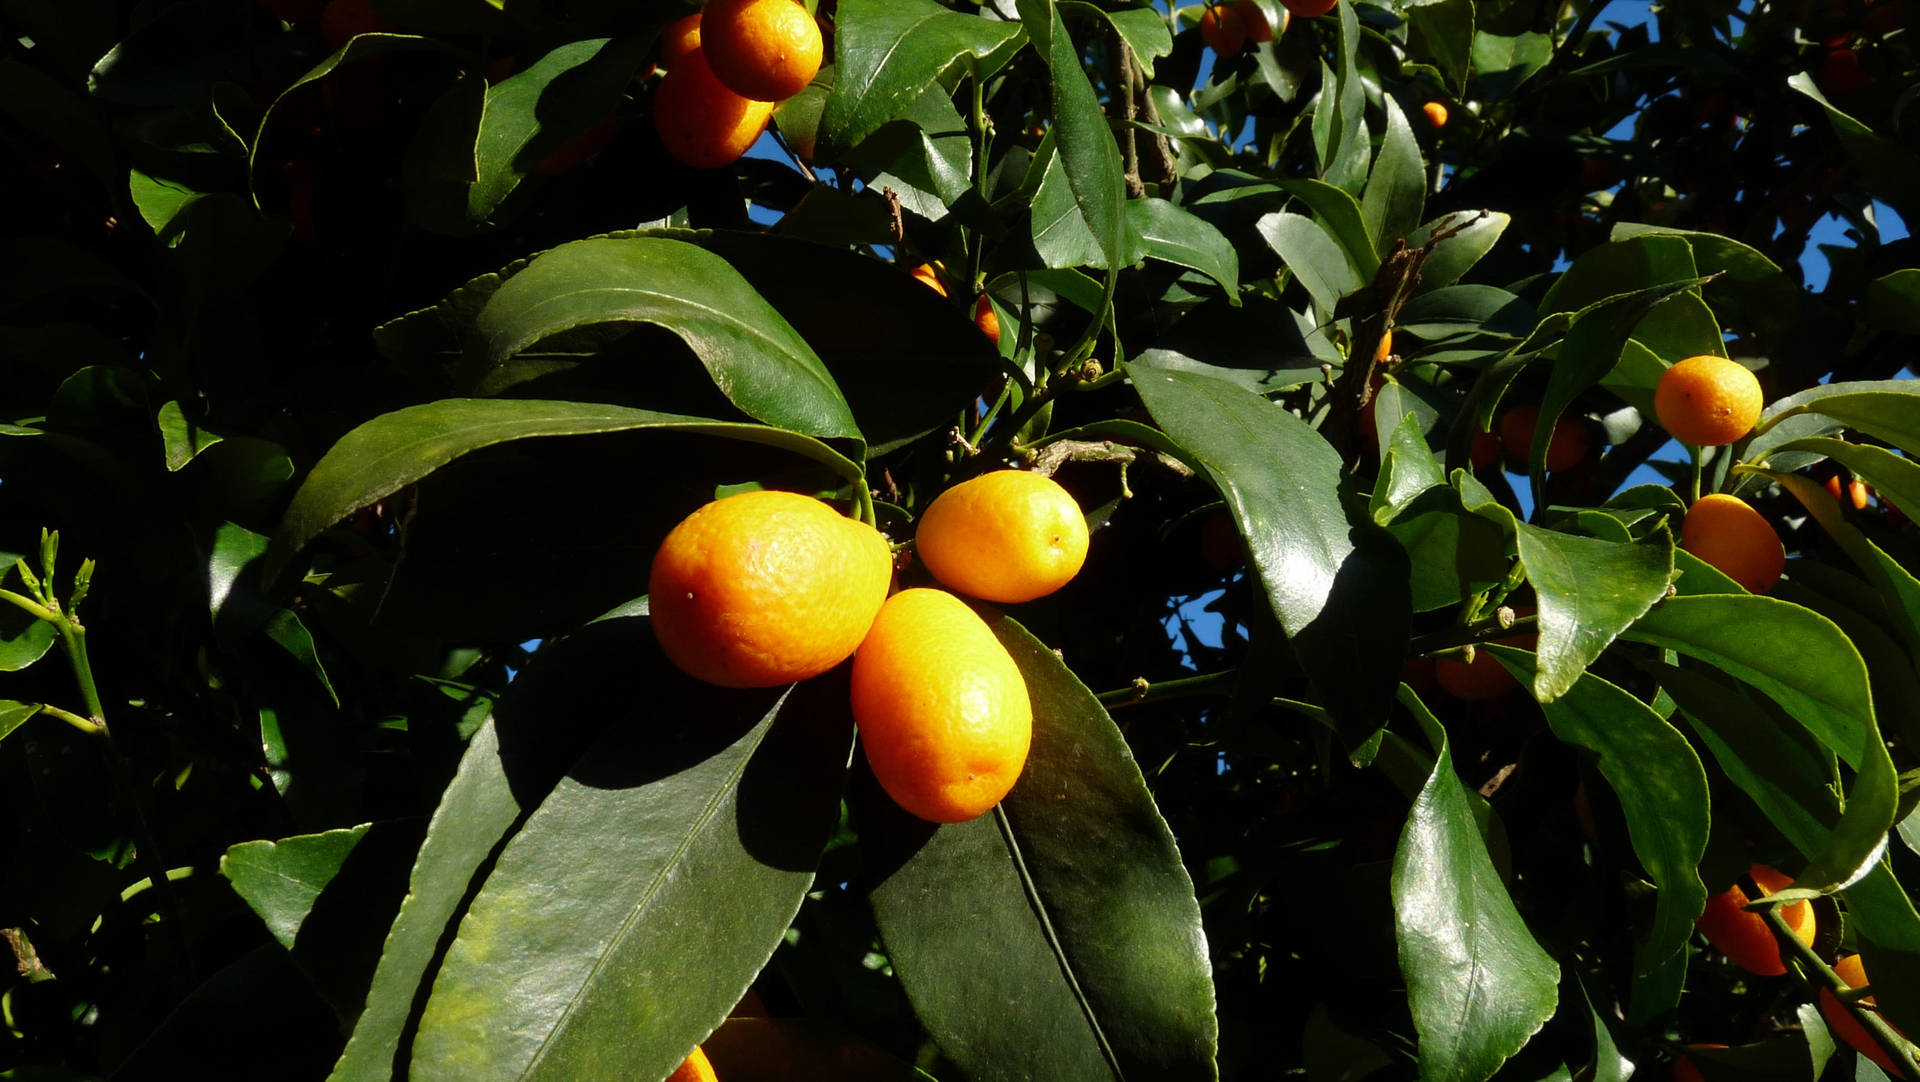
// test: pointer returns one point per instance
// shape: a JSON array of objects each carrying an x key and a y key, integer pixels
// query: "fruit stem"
[
  {"x": 1694, "y": 452},
  {"x": 981, "y": 130},
  {"x": 1883, "y": 1034},
  {"x": 863, "y": 504}
]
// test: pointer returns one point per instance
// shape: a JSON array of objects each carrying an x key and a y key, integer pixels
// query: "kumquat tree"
[{"x": 960, "y": 540}]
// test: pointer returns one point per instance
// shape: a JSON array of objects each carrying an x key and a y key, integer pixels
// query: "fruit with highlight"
[
  {"x": 985, "y": 318},
  {"x": 1848, "y": 1028},
  {"x": 926, "y": 275},
  {"x": 1729, "y": 534},
  {"x": 1744, "y": 937},
  {"x": 1436, "y": 113},
  {"x": 695, "y": 1068},
  {"x": 702, "y": 123},
  {"x": 1009, "y": 535},
  {"x": 1223, "y": 29},
  {"x": 1707, "y": 401},
  {"x": 1254, "y": 21},
  {"x": 679, "y": 38},
  {"x": 942, "y": 708},
  {"x": 764, "y": 588},
  {"x": 766, "y": 50}
]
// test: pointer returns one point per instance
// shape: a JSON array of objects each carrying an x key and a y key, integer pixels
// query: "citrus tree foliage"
[{"x": 366, "y": 370}]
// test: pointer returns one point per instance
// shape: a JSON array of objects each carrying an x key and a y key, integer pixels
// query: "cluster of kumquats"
[
  {"x": 1705, "y": 401},
  {"x": 1747, "y": 941},
  {"x": 764, "y": 588},
  {"x": 727, "y": 67}
]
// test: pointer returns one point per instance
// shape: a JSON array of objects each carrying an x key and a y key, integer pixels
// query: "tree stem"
[
  {"x": 1186, "y": 687},
  {"x": 1883, "y": 1034}
]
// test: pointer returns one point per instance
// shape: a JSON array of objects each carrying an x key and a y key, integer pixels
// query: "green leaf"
[
  {"x": 1589, "y": 351},
  {"x": 1172, "y": 234},
  {"x": 1339, "y": 592},
  {"x": 1618, "y": 268},
  {"x": 1750, "y": 287},
  {"x": 1313, "y": 255},
  {"x": 15, "y": 714},
  {"x": 158, "y": 199},
  {"x": 286, "y": 630},
  {"x": 1060, "y": 234},
  {"x": 535, "y": 111},
  {"x": 1893, "y": 301},
  {"x": 548, "y": 716},
  {"x": 24, "y": 637},
  {"x": 280, "y": 880},
  {"x": 1661, "y": 787},
  {"x": 1396, "y": 192},
  {"x": 1457, "y": 254},
  {"x": 1826, "y": 690},
  {"x": 1589, "y": 591},
  {"x": 1143, "y": 28},
  {"x": 1889, "y": 409},
  {"x": 1887, "y": 166},
  {"x": 1088, "y": 154},
  {"x": 1069, "y": 899},
  {"x": 1341, "y": 217},
  {"x": 754, "y": 356},
  {"x": 672, "y": 856},
  {"x": 1502, "y": 62},
  {"x": 1898, "y": 589},
  {"x": 887, "y": 51},
  {"x": 396, "y": 449},
  {"x": 1478, "y": 983},
  {"x": 183, "y": 438},
  {"x": 1893, "y": 476},
  {"x": 1444, "y": 32},
  {"x": 360, "y": 48}
]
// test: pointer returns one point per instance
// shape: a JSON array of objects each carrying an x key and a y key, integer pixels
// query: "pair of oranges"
[
  {"x": 728, "y": 66},
  {"x": 765, "y": 588}
]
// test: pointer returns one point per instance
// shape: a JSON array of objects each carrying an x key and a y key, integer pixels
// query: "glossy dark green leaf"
[
  {"x": 861, "y": 316},
  {"x": 15, "y": 714},
  {"x": 1893, "y": 476},
  {"x": 1144, "y": 29},
  {"x": 1407, "y": 465},
  {"x": 1443, "y": 33},
  {"x": 1396, "y": 191},
  {"x": 1069, "y": 899},
  {"x": 1478, "y": 983},
  {"x": 1619, "y": 267},
  {"x": 1661, "y": 787},
  {"x": 1256, "y": 344},
  {"x": 1061, "y": 236},
  {"x": 549, "y": 715},
  {"x": 1893, "y": 301},
  {"x": 182, "y": 438},
  {"x": 1589, "y": 351},
  {"x": 1088, "y": 154},
  {"x": 1696, "y": 576},
  {"x": 1453, "y": 554},
  {"x": 1588, "y": 592},
  {"x": 158, "y": 199},
  {"x": 672, "y": 855},
  {"x": 1478, "y": 232},
  {"x": 534, "y": 112},
  {"x": 359, "y": 49},
  {"x": 1466, "y": 309},
  {"x": 1313, "y": 255},
  {"x": 1679, "y": 327},
  {"x": 754, "y": 356},
  {"x": 24, "y": 637},
  {"x": 1178, "y": 237},
  {"x": 1899, "y": 590},
  {"x": 396, "y": 449},
  {"x": 1890, "y": 668},
  {"x": 281, "y": 879},
  {"x": 1889, "y": 409},
  {"x": 1347, "y": 146},
  {"x": 1502, "y": 62},
  {"x": 1887, "y": 165},
  {"x": 1340, "y": 213},
  {"x": 1340, "y": 593},
  {"x": 1751, "y": 288},
  {"x": 887, "y": 51},
  {"x": 1826, "y": 691}
]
